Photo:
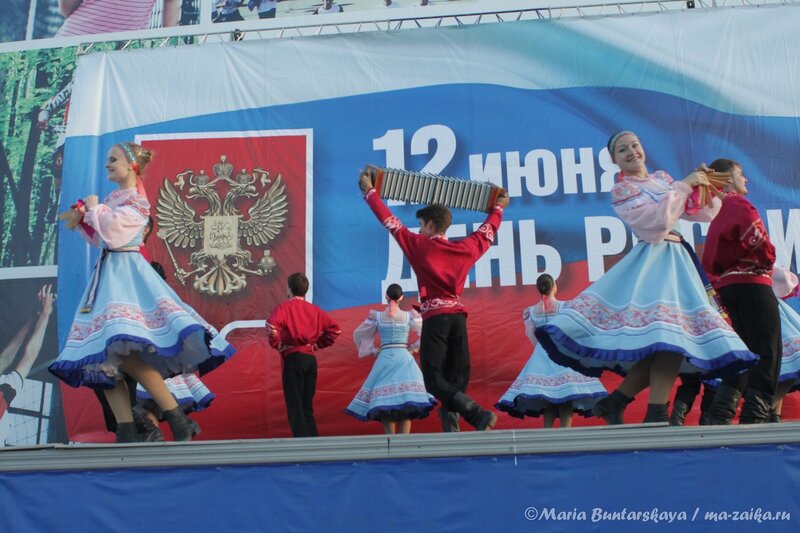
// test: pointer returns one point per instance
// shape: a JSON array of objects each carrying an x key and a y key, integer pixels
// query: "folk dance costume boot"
[
  {"x": 705, "y": 405},
  {"x": 473, "y": 413},
  {"x": 611, "y": 408},
  {"x": 724, "y": 407},
  {"x": 126, "y": 432},
  {"x": 656, "y": 412},
  {"x": 183, "y": 428},
  {"x": 679, "y": 411},
  {"x": 449, "y": 420},
  {"x": 146, "y": 429},
  {"x": 774, "y": 418},
  {"x": 757, "y": 407}
]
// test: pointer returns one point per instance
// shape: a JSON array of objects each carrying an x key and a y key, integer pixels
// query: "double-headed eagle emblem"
[{"x": 220, "y": 266}]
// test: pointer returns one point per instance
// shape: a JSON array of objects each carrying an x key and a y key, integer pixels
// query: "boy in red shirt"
[
  {"x": 738, "y": 256},
  {"x": 441, "y": 267},
  {"x": 297, "y": 329}
]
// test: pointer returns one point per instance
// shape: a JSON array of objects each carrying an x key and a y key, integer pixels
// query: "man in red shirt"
[
  {"x": 441, "y": 267},
  {"x": 297, "y": 329},
  {"x": 739, "y": 257}
]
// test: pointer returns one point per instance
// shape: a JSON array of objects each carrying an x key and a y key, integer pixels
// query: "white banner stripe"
[{"x": 49, "y": 271}]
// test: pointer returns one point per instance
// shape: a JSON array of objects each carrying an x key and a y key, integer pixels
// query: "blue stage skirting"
[{"x": 747, "y": 488}]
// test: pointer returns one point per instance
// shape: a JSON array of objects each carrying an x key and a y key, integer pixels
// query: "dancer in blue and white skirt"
[
  {"x": 785, "y": 286},
  {"x": 394, "y": 391},
  {"x": 649, "y": 316},
  {"x": 544, "y": 388},
  {"x": 130, "y": 321}
]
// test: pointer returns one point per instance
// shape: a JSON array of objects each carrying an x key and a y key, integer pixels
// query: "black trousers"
[
  {"x": 444, "y": 356},
  {"x": 688, "y": 389},
  {"x": 108, "y": 414},
  {"x": 755, "y": 317},
  {"x": 299, "y": 386}
]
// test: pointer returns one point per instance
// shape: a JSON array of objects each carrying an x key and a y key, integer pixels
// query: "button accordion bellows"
[{"x": 424, "y": 188}]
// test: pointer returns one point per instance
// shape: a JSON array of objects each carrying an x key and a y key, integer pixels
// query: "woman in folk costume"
[
  {"x": 544, "y": 388},
  {"x": 394, "y": 391},
  {"x": 785, "y": 286},
  {"x": 131, "y": 322},
  {"x": 649, "y": 316}
]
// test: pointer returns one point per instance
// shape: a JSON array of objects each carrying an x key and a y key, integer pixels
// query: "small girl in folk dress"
[
  {"x": 394, "y": 392},
  {"x": 131, "y": 322},
  {"x": 544, "y": 388}
]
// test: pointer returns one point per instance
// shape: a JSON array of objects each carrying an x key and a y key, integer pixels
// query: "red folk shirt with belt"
[
  {"x": 297, "y": 326},
  {"x": 441, "y": 265},
  {"x": 737, "y": 248}
]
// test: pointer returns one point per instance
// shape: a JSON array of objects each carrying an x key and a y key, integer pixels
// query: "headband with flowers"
[{"x": 130, "y": 156}]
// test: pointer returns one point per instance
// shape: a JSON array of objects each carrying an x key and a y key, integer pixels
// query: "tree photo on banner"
[{"x": 36, "y": 86}]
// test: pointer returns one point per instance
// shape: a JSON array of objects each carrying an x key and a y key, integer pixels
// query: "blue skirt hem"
[
  {"x": 510, "y": 407},
  {"x": 74, "y": 374},
  {"x": 726, "y": 364},
  {"x": 405, "y": 411}
]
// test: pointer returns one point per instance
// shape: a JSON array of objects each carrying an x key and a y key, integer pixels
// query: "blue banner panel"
[{"x": 719, "y": 489}]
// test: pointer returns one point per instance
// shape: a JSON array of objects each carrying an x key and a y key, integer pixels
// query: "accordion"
[{"x": 424, "y": 188}]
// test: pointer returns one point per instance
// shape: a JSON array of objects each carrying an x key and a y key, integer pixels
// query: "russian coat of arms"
[{"x": 228, "y": 224}]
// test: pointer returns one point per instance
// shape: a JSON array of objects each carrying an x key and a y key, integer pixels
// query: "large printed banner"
[{"x": 241, "y": 131}]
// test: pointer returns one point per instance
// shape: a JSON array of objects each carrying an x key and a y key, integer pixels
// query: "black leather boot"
[
  {"x": 679, "y": 411},
  {"x": 724, "y": 407},
  {"x": 449, "y": 420},
  {"x": 126, "y": 432},
  {"x": 611, "y": 408},
  {"x": 709, "y": 393},
  {"x": 656, "y": 412},
  {"x": 774, "y": 418},
  {"x": 757, "y": 407},
  {"x": 147, "y": 430},
  {"x": 183, "y": 428},
  {"x": 473, "y": 413}
]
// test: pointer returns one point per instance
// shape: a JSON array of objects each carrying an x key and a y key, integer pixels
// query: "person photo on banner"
[
  {"x": 545, "y": 388},
  {"x": 653, "y": 314},
  {"x": 267, "y": 9},
  {"x": 130, "y": 321},
  {"x": 227, "y": 11},
  {"x": 13, "y": 375},
  {"x": 85, "y": 17},
  {"x": 394, "y": 391},
  {"x": 328, "y": 7}
]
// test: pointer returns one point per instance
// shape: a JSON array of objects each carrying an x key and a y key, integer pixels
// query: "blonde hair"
[{"x": 136, "y": 155}]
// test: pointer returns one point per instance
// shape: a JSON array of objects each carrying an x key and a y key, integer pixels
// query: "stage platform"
[{"x": 623, "y": 478}]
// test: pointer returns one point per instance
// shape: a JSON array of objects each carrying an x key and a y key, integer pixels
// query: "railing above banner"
[{"x": 480, "y": 12}]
